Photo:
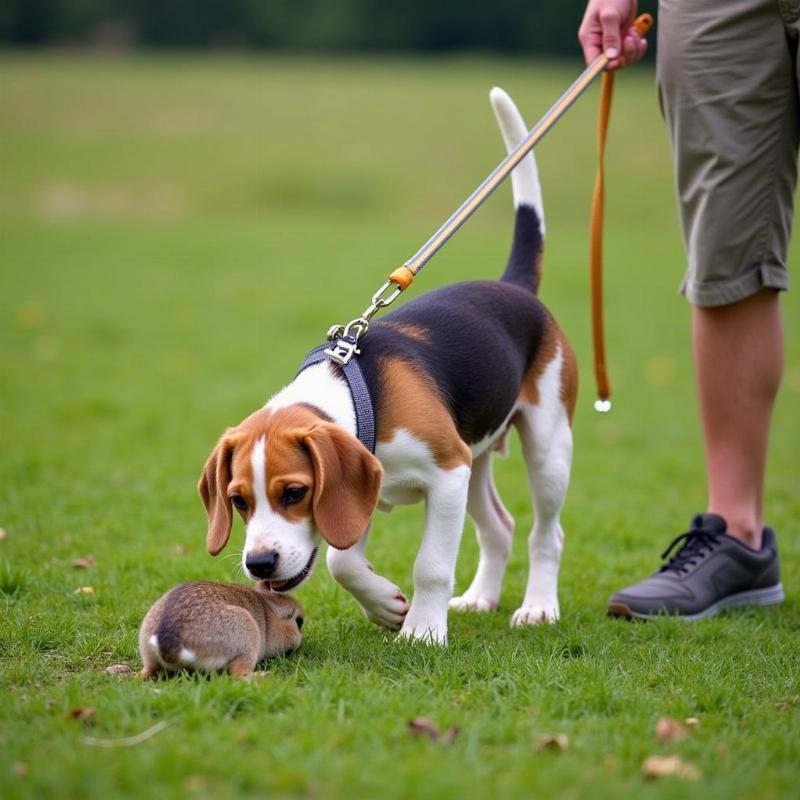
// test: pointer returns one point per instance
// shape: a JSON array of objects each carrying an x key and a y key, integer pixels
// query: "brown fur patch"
[
  {"x": 415, "y": 332},
  {"x": 285, "y": 460},
  {"x": 569, "y": 376},
  {"x": 415, "y": 405},
  {"x": 552, "y": 340}
]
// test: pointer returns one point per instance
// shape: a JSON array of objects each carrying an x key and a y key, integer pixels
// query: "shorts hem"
[{"x": 722, "y": 293}]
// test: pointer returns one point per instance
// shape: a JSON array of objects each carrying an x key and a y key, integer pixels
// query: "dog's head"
[{"x": 293, "y": 477}]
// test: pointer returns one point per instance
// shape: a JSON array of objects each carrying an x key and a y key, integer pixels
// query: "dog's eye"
[
  {"x": 239, "y": 502},
  {"x": 293, "y": 494}
]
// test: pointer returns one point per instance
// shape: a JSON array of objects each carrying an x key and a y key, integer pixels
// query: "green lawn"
[{"x": 176, "y": 233}]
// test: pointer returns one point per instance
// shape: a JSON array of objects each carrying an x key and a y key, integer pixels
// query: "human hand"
[{"x": 607, "y": 27}]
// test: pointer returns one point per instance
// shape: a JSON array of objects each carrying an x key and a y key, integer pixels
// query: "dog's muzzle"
[{"x": 296, "y": 580}]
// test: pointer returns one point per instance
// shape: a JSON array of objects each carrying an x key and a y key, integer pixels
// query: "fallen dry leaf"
[
  {"x": 86, "y": 591},
  {"x": 450, "y": 735},
  {"x": 81, "y": 714},
  {"x": 119, "y": 669},
  {"x": 692, "y": 723},
  {"x": 421, "y": 726},
  {"x": 84, "y": 562},
  {"x": 655, "y": 767},
  {"x": 19, "y": 769},
  {"x": 552, "y": 741},
  {"x": 670, "y": 730}
]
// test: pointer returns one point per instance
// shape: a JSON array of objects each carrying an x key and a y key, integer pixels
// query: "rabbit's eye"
[{"x": 299, "y": 621}]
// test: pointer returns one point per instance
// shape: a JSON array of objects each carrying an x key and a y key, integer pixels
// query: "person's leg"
[
  {"x": 728, "y": 89},
  {"x": 738, "y": 351}
]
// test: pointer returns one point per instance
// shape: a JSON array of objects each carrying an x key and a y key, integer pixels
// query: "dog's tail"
[{"x": 524, "y": 262}]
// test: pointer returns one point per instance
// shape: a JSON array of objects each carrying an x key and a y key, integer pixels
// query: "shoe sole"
[{"x": 770, "y": 596}]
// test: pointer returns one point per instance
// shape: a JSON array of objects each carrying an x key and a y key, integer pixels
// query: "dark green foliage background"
[{"x": 527, "y": 26}]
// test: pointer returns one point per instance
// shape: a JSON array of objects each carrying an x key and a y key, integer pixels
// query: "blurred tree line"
[{"x": 546, "y": 27}]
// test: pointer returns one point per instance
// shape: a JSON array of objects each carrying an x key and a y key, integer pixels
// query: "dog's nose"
[{"x": 262, "y": 565}]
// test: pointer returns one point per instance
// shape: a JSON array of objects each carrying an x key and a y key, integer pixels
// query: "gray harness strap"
[{"x": 362, "y": 401}]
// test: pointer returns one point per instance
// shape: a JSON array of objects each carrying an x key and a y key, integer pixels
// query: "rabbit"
[{"x": 213, "y": 626}]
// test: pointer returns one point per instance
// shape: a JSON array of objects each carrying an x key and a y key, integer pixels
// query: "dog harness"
[{"x": 362, "y": 400}]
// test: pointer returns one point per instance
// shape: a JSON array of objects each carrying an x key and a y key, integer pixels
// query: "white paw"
[
  {"x": 536, "y": 614},
  {"x": 472, "y": 602},
  {"x": 427, "y": 634},
  {"x": 383, "y": 603}
]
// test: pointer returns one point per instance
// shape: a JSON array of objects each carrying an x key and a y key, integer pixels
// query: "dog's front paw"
[
  {"x": 535, "y": 614},
  {"x": 383, "y": 603},
  {"x": 427, "y": 628},
  {"x": 424, "y": 633},
  {"x": 473, "y": 602}
]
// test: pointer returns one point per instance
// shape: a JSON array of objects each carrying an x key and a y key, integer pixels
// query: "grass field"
[{"x": 176, "y": 233}]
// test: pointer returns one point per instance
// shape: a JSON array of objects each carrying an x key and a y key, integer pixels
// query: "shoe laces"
[{"x": 696, "y": 542}]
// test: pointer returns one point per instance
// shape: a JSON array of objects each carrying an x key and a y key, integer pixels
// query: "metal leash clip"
[{"x": 345, "y": 337}]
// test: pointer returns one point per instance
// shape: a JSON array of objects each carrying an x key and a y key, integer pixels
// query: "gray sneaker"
[{"x": 712, "y": 571}]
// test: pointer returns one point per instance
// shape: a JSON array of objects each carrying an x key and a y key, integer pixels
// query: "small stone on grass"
[
  {"x": 656, "y": 767},
  {"x": 422, "y": 726},
  {"x": 552, "y": 741},
  {"x": 670, "y": 730},
  {"x": 119, "y": 669}
]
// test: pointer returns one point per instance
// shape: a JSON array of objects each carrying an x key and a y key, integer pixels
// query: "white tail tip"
[{"x": 525, "y": 177}]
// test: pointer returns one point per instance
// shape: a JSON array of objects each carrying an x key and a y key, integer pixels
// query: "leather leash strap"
[
  {"x": 596, "y": 248},
  {"x": 642, "y": 24}
]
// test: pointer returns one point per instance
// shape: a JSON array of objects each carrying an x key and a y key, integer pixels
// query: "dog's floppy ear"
[
  {"x": 213, "y": 489},
  {"x": 347, "y": 482}
]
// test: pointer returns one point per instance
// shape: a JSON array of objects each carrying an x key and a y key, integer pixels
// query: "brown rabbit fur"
[{"x": 214, "y": 626}]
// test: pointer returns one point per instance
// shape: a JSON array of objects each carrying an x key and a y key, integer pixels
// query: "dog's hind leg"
[
  {"x": 494, "y": 527},
  {"x": 382, "y": 601},
  {"x": 547, "y": 448}
]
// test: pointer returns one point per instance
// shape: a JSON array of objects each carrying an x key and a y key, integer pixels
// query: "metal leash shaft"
[{"x": 503, "y": 170}]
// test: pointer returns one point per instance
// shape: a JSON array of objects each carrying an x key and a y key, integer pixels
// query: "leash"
[
  {"x": 344, "y": 338},
  {"x": 596, "y": 219}
]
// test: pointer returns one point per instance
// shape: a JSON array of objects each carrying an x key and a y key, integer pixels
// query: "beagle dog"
[{"x": 449, "y": 374}]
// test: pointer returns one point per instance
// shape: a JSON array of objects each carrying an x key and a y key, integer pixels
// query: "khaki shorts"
[{"x": 727, "y": 76}]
